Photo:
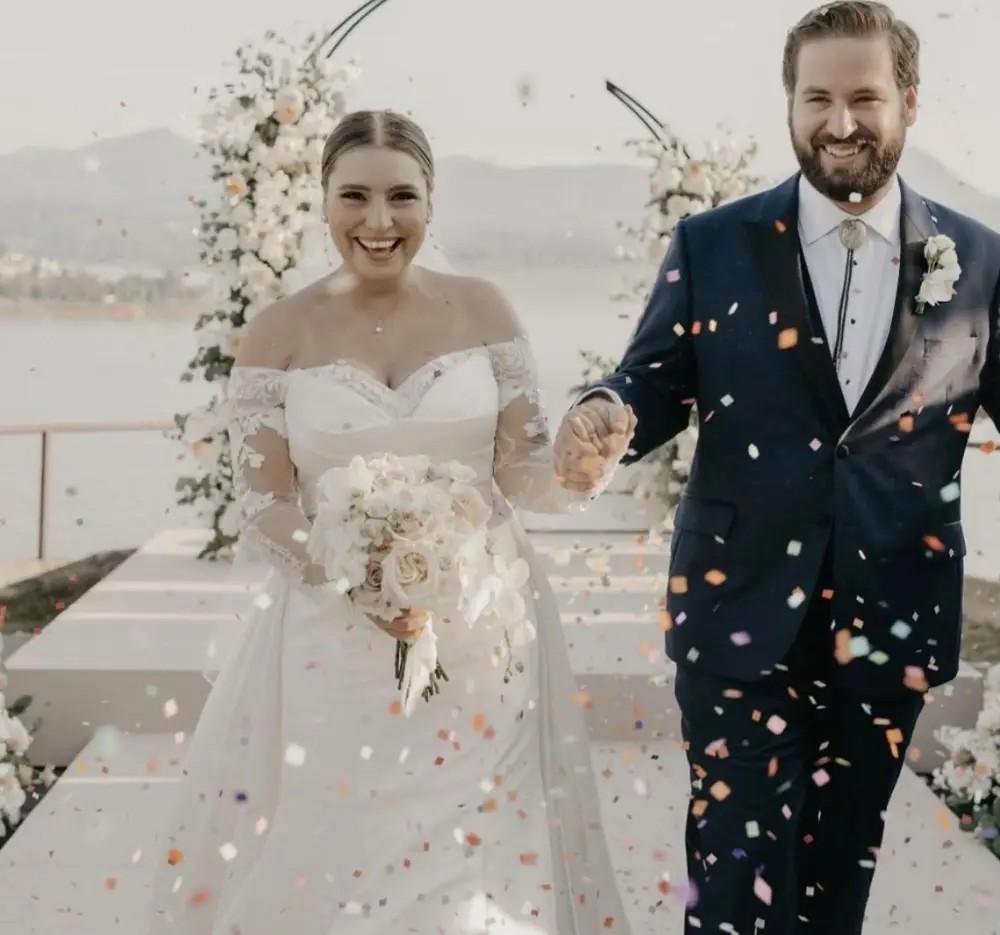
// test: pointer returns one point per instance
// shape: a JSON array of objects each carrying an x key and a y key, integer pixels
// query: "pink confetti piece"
[
  {"x": 762, "y": 891},
  {"x": 673, "y": 275},
  {"x": 821, "y": 777}
]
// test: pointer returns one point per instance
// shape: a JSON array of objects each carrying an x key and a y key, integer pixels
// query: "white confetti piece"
[
  {"x": 815, "y": 444},
  {"x": 796, "y": 598},
  {"x": 228, "y": 852},
  {"x": 170, "y": 708},
  {"x": 733, "y": 307},
  {"x": 951, "y": 492},
  {"x": 678, "y": 329},
  {"x": 794, "y": 547},
  {"x": 753, "y": 451},
  {"x": 404, "y": 755},
  {"x": 854, "y": 198},
  {"x": 261, "y": 827},
  {"x": 860, "y": 647},
  {"x": 295, "y": 755},
  {"x": 366, "y": 753},
  {"x": 263, "y": 601},
  {"x": 640, "y": 787},
  {"x": 726, "y": 400},
  {"x": 753, "y": 829},
  {"x": 901, "y": 630}
]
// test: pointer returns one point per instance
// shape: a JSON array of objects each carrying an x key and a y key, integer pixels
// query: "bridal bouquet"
[{"x": 395, "y": 533}]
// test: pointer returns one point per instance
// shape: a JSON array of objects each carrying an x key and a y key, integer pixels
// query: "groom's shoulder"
[{"x": 725, "y": 218}]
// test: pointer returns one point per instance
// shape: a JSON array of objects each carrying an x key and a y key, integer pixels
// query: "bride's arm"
[
  {"x": 523, "y": 462},
  {"x": 272, "y": 526}
]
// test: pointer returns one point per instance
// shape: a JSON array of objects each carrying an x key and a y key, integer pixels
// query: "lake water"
[{"x": 114, "y": 490}]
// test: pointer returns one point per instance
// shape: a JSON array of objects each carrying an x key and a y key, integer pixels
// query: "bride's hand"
[{"x": 407, "y": 626}]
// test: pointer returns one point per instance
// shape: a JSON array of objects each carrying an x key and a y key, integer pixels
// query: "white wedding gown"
[{"x": 310, "y": 806}]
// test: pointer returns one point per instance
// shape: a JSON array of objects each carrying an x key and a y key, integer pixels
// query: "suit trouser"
[{"x": 791, "y": 778}]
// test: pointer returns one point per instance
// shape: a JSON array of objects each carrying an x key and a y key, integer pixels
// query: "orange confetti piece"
[
  {"x": 842, "y": 647},
  {"x": 678, "y": 584},
  {"x": 666, "y": 621},
  {"x": 699, "y": 807},
  {"x": 772, "y": 767},
  {"x": 480, "y": 723},
  {"x": 780, "y": 226},
  {"x": 174, "y": 857},
  {"x": 111, "y": 884},
  {"x": 788, "y": 338},
  {"x": 906, "y": 424},
  {"x": 720, "y": 791},
  {"x": 473, "y": 839},
  {"x": 715, "y": 577},
  {"x": 582, "y": 700},
  {"x": 200, "y": 898},
  {"x": 934, "y": 543},
  {"x": 696, "y": 327},
  {"x": 396, "y": 707},
  {"x": 529, "y": 860}
]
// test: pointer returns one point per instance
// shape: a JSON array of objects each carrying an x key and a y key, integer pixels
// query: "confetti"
[
  {"x": 762, "y": 891},
  {"x": 228, "y": 852},
  {"x": 170, "y": 708},
  {"x": 776, "y": 725},
  {"x": 950, "y": 493},
  {"x": 788, "y": 338},
  {"x": 740, "y": 639},
  {"x": 715, "y": 577},
  {"x": 753, "y": 451},
  {"x": 295, "y": 755},
  {"x": 673, "y": 275}
]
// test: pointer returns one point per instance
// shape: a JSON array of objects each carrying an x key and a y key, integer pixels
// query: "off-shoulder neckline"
[{"x": 341, "y": 364}]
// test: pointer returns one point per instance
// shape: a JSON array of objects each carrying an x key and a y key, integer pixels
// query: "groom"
[{"x": 815, "y": 580}]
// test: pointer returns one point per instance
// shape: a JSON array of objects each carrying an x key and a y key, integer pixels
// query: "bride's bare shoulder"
[
  {"x": 273, "y": 335},
  {"x": 487, "y": 303}
]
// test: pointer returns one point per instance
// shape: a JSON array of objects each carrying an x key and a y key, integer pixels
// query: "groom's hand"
[{"x": 593, "y": 438}]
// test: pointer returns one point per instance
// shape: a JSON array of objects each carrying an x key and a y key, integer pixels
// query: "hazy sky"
[{"x": 67, "y": 68}]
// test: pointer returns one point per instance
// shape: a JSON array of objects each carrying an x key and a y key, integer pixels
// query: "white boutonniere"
[{"x": 938, "y": 284}]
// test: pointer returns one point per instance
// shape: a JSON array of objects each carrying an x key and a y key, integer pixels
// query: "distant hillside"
[{"x": 126, "y": 201}]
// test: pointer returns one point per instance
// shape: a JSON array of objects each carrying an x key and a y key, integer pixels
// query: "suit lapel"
[
  {"x": 916, "y": 225},
  {"x": 774, "y": 245}
]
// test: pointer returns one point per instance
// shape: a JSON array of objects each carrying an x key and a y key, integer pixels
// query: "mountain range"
[{"x": 126, "y": 202}]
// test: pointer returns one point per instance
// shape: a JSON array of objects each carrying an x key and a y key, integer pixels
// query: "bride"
[{"x": 309, "y": 803}]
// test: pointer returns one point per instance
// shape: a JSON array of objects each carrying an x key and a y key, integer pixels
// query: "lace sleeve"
[
  {"x": 271, "y": 524},
  {"x": 523, "y": 462}
]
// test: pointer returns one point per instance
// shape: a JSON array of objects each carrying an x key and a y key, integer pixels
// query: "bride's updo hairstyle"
[{"x": 378, "y": 128}]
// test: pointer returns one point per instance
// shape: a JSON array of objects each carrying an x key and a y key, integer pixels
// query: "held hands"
[{"x": 593, "y": 438}]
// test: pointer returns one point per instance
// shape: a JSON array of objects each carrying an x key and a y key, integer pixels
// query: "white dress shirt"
[{"x": 873, "y": 282}]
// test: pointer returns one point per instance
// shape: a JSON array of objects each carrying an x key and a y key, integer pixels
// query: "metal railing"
[{"x": 45, "y": 429}]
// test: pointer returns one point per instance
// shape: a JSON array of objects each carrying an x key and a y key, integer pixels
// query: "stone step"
[{"x": 81, "y": 863}]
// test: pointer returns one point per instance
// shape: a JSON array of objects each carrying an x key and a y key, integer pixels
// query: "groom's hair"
[{"x": 857, "y": 19}]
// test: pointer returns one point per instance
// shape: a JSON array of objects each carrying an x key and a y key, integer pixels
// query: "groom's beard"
[{"x": 872, "y": 175}]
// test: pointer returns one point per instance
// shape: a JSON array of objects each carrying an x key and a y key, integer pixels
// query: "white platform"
[{"x": 82, "y": 863}]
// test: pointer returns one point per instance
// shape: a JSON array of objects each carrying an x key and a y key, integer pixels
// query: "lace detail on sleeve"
[
  {"x": 271, "y": 524},
  {"x": 523, "y": 464}
]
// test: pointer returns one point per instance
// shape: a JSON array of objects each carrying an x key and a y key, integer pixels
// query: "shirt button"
[{"x": 843, "y": 451}]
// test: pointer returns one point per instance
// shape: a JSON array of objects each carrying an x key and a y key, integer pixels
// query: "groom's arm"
[{"x": 657, "y": 376}]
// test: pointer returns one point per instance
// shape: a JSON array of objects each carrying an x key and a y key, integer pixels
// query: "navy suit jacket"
[{"x": 783, "y": 474}]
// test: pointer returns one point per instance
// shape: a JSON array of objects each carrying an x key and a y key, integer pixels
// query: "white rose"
[
  {"x": 948, "y": 259},
  {"x": 272, "y": 250},
  {"x": 14, "y": 734},
  {"x": 289, "y": 105},
  {"x": 289, "y": 152},
  {"x": 12, "y": 797},
  {"x": 230, "y": 519},
  {"x": 241, "y": 214},
  {"x": 249, "y": 237},
  {"x": 263, "y": 107},
  {"x": 236, "y": 185},
  {"x": 409, "y": 574},
  {"x": 936, "y": 245},
  {"x": 203, "y": 423},
  {"x": 937, "y": 286}
]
